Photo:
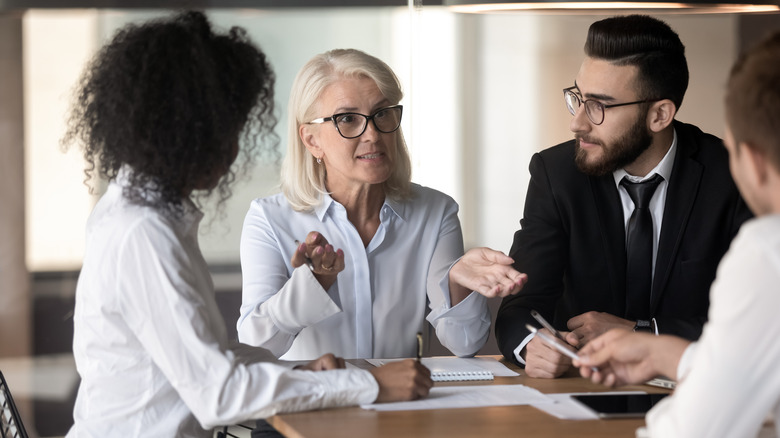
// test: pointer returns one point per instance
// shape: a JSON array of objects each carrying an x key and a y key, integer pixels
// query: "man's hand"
[
  {"x": 324, "y": 363},
  {"x": 623, "y": 357},
  {"x": 401, "y": 381},
  {"x": 544, "y": 361},
  {"x": 591, "y": 325}
]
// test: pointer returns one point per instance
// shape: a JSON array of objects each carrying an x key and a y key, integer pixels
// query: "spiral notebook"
[{"x": 448, "y": 369}]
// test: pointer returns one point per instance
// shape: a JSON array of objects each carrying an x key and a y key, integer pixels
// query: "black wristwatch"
[{"x": 643, "y": 325}]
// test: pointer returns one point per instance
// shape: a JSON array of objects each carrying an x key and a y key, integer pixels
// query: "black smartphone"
[{"x": 619, "y": 405}]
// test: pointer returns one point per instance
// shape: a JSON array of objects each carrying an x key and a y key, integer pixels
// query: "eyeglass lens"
[
  {"x": 351, "y": 125},
  {"x": 594, "y": 109}
]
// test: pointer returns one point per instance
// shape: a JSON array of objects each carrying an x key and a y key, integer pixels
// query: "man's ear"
[
  {"x": 310, "y": 140},
  {"x": 757, "y": 161},
  {"x": 661, "y": 115}
]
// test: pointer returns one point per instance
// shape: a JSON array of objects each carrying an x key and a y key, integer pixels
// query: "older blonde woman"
[{"x": 375, "y": 249}]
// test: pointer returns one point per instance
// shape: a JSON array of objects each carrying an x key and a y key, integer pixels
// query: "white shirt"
[
  {"x": 729, "y": 379},
  {"x": 150, "y": 343},
  {"x": 378, "y": 303}
]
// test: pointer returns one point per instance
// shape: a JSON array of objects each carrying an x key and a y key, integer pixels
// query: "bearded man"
[{"x": 623, "y": 226}]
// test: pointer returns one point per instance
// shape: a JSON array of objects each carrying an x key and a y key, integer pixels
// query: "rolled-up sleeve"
[
  {"x": 175, "y": 319},
  {"x": 277, "y": 301},
  {"x": 465, "y": 327}
]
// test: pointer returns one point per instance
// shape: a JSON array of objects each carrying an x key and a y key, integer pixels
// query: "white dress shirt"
[
  {"x": 378, "y": 303},
  {"x": 729, "y": 379},
  {"x": 151, "y": 346}
]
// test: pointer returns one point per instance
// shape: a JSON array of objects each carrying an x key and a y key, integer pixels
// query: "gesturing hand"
[
  {"x": 623, "y": 357},
  {"x": 325, "y": 262},
  {"x": 487, "y": 272}
]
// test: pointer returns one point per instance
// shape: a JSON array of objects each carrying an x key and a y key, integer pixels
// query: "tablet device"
[
  {"x": 619, "y": 405},
  {"x": 662, "y": 382}
]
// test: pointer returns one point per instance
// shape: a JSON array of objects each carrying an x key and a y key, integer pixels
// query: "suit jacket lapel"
[
  {"x": 610, "y": 218},
  {"x": 680, "y": 198}
]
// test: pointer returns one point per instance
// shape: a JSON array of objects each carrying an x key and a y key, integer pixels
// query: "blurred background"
[{"x": 483, "y": 93}]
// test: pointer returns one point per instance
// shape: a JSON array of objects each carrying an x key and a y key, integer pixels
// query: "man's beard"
[{"x": 617, "y": 155}]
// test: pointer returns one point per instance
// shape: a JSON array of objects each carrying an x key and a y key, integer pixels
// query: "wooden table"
[{"x": 496, "y": 421}]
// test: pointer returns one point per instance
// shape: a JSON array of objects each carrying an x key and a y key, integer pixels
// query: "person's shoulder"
[
  {"x": 424, "y": 202},
  {"x": 559, "y": 165},
  {"x": 765, "y": 228},
  {"x": 561, "y": 151},
  {"x": 691, "y": 130},
  {"x": 274, "y": 206},
  {"x": 272, "y": 201},
  {"x": 116, "y": 213},
  {"x": 427, "y": 195},
  {"x": 754, "y": 257},
  {"x": 558, "y": 159},
  {"x": 708, "y": 151},
  {"x": 118, "y": 224},
  {"x": 274, "y": 211},
  {"x": 693, "y": 139}
]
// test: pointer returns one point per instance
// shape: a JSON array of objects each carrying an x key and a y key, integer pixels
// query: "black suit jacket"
[{"x": 572, "y": 241}]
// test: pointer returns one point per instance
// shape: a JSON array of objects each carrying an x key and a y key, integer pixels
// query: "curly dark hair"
[
  {"x": 649, "y": 44},
  {"x": 172, "y": 100}
]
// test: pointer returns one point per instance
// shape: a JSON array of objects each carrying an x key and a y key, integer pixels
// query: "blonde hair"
[{"x": 302, "y": 179}]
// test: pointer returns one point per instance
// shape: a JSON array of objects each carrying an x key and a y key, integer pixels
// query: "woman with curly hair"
[{"x": 160, "y": 113}]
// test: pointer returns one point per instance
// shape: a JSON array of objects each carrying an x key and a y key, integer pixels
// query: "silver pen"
[
  {"x": 562, "y": 346},
  {"x": 538, "y": 316}
]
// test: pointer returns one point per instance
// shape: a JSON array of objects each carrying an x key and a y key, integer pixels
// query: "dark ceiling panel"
[{"x": 198, "y": 4}]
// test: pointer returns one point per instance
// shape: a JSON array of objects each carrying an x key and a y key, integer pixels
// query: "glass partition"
[{"x": 482, "y": 94}]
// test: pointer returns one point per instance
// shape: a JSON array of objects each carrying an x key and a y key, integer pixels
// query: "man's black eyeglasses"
[{"x": 593, "y": 108}]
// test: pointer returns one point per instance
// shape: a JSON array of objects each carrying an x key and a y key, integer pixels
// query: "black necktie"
[{"x": 639, "y": 248}]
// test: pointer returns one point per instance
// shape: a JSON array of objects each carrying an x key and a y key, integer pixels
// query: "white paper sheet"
[
  {"x": 447, "y": 397},
  {"x": 566, "y": 408}
]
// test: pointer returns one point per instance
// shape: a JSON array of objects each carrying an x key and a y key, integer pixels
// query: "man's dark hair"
[
  {"x": 753, "y": 98},
  {"x": 171, "y": 99},
  {"x": 650, "y": 45}
]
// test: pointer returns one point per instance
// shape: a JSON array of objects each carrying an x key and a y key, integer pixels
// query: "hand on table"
[
  {"x": 324, "y": 363},
  {"x": 543, "y": 360},
  {"x": 590, "y": 325},
  {"x": 401, "y": 381}
]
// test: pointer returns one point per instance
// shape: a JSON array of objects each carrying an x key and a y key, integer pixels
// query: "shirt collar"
[
  {"x": 664, "y": 167},
  {"x": 398, "y": 208},
  {"x": 191, "y": 214},
  {"x": 323, "y": 207}
]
